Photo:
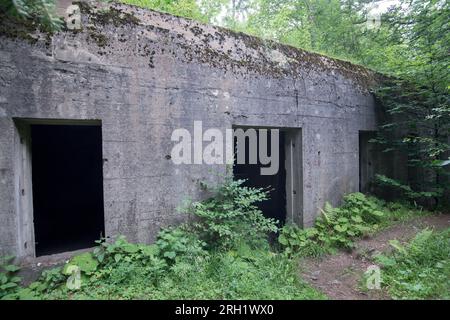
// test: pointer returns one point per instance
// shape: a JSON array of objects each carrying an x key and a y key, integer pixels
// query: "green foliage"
[
  {"x": 239, "y": 274},
  {"x": 231, "y": 215},
  {"x": 406, "y": 191},
  {"x": 146, "y": 258},
  {"x": 109, "y": 253},
  {"x": 85, "y": 261},
  {"x": 331, "y": 26},
  {"x": 51, "y": 279},
  {"x": 186, "y": 8},
  {"x": 302, "y": 242},
  {"x": 363, "y": 209},
  {"x": 178, "y": 265},
  {"x": 338, "y": 227},
  {"x": 42, "y": 11},
  {"x": 417, "y": 100},
  {"x": 176, "y": 243},
  {"x": 420, "y": 269},
  {"x": 9, "y": 281},
  {"x": 242, "y": 273},
  {"x": 182, "y": 266}
]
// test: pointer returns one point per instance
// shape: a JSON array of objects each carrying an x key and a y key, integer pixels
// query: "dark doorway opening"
[
  {"x": 67, "y": 182},
  {"x": 367, "y": 160},
  {"x": 275, "y": 207}
]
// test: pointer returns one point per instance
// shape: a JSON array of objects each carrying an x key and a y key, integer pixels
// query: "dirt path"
[{"x": 338, "y": 276}]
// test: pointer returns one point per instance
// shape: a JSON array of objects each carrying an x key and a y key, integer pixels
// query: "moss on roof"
[{"x": 216, "y": 46}]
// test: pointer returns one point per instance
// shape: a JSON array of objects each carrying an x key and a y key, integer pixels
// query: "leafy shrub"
[
  {"x": 185, "y": 263},
  {"x": 42, "y": 11},
  {"x": 369, "y": 209},
  {"x": 178, "y": 266},
  {"x": 109, "y": 253},
  {"x": 50, "y": 279},
  {"x": 243, "y": 273},
  {"x": 9, "y": 281},
  {"x": 420, "y": 269},
  {"x": 231, "y": 215},
  {"x": 124, "y": 255},
  {"x": 172, "y": 244},
  {"x": 406, "y": 191},
  {"x": 358, "y": 215},
  {"x": 338, "y": 227},
  {"x": 296, "y": 240},
  {"x": 85, "y": 261},
  {"x": 176, "y": 243},
  {"x": 402, "y": 211}
]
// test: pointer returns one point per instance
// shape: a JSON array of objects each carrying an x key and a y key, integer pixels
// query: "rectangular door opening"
[
  {"x": 275, "y": 207},
  {"x": 67, "y": 187},
  {"x": 285, "y": 192},
  {"x": 367, "y": 160}
]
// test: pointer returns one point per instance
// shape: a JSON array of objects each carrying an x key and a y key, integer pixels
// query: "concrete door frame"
[
  {"x": 294, "y": 170},
  {"x": 26, "y": 246},
  {"x": 294, "y": 176}
]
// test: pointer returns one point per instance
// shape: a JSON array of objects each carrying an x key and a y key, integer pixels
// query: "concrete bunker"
[
  {"x": 61, "y": 183},
  {"x": 285, "y": 186},
  {"x": 144, "y": 74}
]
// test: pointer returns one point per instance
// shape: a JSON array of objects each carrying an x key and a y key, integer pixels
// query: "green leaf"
[
  {"x": 117, "y": 257},
  {"x": 3, "y": 278},
  {"x": 340, "y": 228},
  {"x": 150, "y": 251},
  {"x": 282, "y": 239},
  {"x": 130, "y": 248},
  {"x": 101, "y": 257},
  {"x": 385, "y": 261},
  {"x": 8, "y": 285},
  {"x": 351, "y": 233},
  {"x": 34, "y": 285},
  {"x": 85, "y": 261},
  {"x": 170, "y": 254},
  {"x": 26, "y": 294},
  {"x": 397, "y": 245},
  {"x": 378, "y": 213},
  {"x": 441, "y": 163},
  {"x": 11, "y": 268}
]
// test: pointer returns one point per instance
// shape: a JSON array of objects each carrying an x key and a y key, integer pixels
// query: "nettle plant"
[
  {"x": 9, "y": 281},
  {"x": 174, "y": 243},
  {"x": 231, "y": 215},
  {"x": 358, "y": 216},
  {"x": 335, "y": 228}
]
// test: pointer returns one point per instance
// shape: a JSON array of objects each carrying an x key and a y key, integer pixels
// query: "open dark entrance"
[
  {"x": 275, "y": 207},
  {"x": 367, "y": 160},
  {"x": 67, "y": 187}
]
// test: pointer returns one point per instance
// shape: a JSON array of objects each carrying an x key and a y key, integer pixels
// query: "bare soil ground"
[{"x": 338, "y": 276}]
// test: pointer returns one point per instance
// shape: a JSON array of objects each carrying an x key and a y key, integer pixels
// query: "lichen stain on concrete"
[{"x": 215, "y": 46}]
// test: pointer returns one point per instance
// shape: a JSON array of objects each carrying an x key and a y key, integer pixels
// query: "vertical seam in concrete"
[{"x": 296, "y": 102}]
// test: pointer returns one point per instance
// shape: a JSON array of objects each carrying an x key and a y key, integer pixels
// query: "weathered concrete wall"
[{"x": 144, "y": 74}]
